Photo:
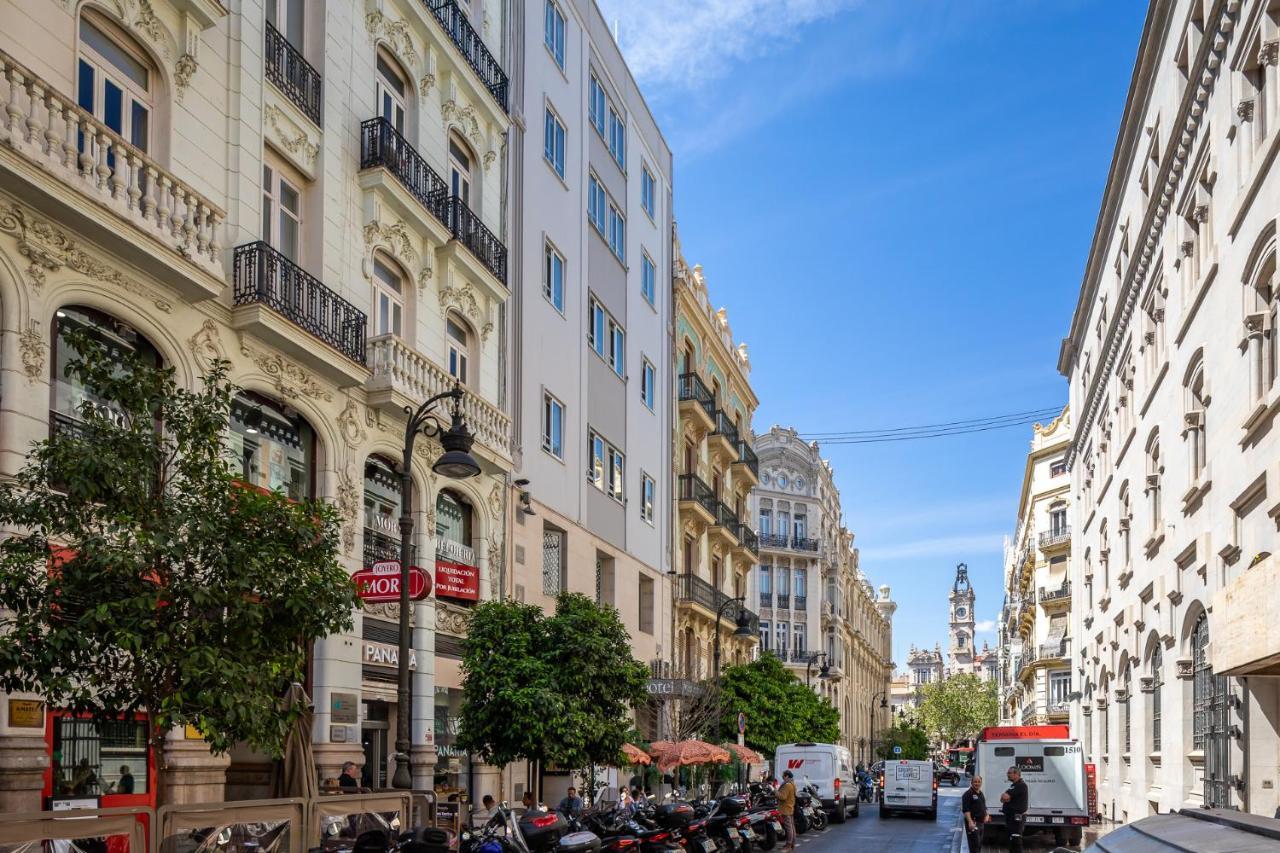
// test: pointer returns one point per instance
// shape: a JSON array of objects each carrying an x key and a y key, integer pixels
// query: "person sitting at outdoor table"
[
  {"x": 482, "y": 816},
  {"x": 571, "y": 805},
  {"x": 530, "y": 804}
]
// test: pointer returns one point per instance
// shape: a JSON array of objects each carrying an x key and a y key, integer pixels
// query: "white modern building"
[
  {"x": 1172, "y": 360},
  {"x": 315, "y": 192},
  {"x": 1035, "y": 630},
  {"x": 590, "y": 374}
]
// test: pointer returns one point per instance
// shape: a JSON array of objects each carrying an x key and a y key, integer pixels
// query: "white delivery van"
[
  {"x": 829, "y": 767},
  {"x": 908, "y": 786},
  {"x": 1052, "y": 765}
]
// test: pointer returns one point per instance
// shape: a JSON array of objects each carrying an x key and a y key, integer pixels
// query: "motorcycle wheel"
[
  {"x": 820, "y": 820},
  {"x": 802, "y": 822},
  {"x": 769, "y": 840}
]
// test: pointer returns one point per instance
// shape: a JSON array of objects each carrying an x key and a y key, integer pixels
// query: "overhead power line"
[{"x": 938, "y": 430}]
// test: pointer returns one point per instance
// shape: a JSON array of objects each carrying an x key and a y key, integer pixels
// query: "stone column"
[
  {"x": 25, "y": 758},
  {"x": 192, "y": 773},
  {"x": 422, "y": 755}
]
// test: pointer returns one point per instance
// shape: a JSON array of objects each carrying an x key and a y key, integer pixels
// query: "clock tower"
[{"x": 960, "y": 650}]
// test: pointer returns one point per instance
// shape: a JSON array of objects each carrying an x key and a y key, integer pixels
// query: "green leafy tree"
[
  {"x": 142, "y": 576},
  {"x": 958, "y": 707},
  {"x": 913, "y": 740},
  {"x": 778, "y": 707},
  {"x": 553, "y": 689}
]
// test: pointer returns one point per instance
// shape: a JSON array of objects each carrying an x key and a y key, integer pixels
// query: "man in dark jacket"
[
  {"x": 1015, "y": 801},
  {"x": 974, "y": 806}
]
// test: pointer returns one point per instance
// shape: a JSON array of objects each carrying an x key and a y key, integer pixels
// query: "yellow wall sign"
[
  {"x": 192, "y": 733},
  {"x": 26, "y": 713}
]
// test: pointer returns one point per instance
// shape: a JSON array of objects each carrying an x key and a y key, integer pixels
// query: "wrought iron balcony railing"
[
  {"x": 1056, "y": 536},
  {"x": 693, "y": 388},
  {"x": 802, "y": 544},
  {"x": 766, "y": 599},
  {"x": 726, "y": 519},
  {"x": 1061, "y": 593},
  {"x": 748, "y": 538},
  {"x": 293, "y": 75},
  {"x": 748, "y": 457},
  {"x": 725, "y": 427},
  {"x": 802, "y": 603},
  {"x": 467, "y": 229},
  {"x": 692, "y": 488},
  {"x": 379, "y": 546},
  {"x": 774, "y": 540},
  {"x": 469, "y": 43},
  {"x": 264, "y": 276},
  {"x": 382, "y": 145},
  {"x": 784, "y": 601}
]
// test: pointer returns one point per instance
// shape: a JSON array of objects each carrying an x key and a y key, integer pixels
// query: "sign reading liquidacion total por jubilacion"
[{"x": 457, "y": 580}]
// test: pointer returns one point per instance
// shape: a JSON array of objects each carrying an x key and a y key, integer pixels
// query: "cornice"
[{"x": 1189, "y": 118}]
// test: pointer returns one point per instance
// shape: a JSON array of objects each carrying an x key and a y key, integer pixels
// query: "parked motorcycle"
[
  {"x": 532, "y": 832},
  {"x": 809, "y": 809}
]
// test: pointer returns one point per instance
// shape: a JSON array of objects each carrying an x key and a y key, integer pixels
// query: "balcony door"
[
  {"x": 282, "y": 211},
  {"x": 115, "y": 82},
  {"x": 289, "y": 19},
  {"x": 391, "y": 93},
  {"x": 459, "y": 172}
]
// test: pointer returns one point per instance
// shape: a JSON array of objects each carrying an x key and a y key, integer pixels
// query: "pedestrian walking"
[
  {"x": 787, "y": 809},
  {"x": 1015, "y": 802},
  {"x": 974, "y": 806}
]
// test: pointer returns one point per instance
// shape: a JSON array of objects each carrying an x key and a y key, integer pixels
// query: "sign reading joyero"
[{"x": 381, "y": 582}]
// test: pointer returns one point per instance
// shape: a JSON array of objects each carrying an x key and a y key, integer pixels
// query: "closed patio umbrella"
[{"x": 294, "y": 774}]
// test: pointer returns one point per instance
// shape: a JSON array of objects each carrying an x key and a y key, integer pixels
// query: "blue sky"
[{"x": 895, "y": 201}]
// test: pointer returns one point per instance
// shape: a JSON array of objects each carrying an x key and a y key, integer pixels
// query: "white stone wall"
[{"x": 1185, "y": 239}]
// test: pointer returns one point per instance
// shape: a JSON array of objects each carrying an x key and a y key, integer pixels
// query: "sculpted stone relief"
[
  {"x": 395, "y": 33},
  {"x": 32, "y": 349},
  {"x": 206, "y": 345},
  {"x": 292, "y": 138},
  {"x": 290, "y": 379}
]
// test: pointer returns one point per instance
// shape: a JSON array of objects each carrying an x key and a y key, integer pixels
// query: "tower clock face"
[{"x": 960, "y": 611}]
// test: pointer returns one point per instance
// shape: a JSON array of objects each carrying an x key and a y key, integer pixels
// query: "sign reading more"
[{"x": 380, "y": 583}]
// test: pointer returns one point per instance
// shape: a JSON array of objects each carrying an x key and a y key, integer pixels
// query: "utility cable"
[{"x": 925, "y": 431}]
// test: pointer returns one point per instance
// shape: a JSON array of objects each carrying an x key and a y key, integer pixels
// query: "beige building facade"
[
  {"x": 1171, "y": 358},
  {"x": 1035, "y": 631},
  {"x": 314, "y": 192},
  {"x": 715, "y": 468}
]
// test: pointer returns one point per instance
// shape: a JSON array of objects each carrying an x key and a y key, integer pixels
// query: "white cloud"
[
  {"x": 689, "y": 41},
  {"x": 974, "y": 543},
  {"x": 985, "y": 626}
]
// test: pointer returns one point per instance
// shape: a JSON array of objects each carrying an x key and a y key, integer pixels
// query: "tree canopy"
[
  {"x": 906, "y": 734},
  {"x": 556, "y": 689},
  {"x": 142, "y": 576},
  {"x": 958, "y": 708},
  {"x": 778, "y": 707}
]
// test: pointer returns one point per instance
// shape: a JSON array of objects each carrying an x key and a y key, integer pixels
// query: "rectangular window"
[
  {"x": 646, "y": 498},
  {"x": 648, "y": 189},
  {"x": 596, "y": 463},
  {"x": 617, "y": 349},
  {"x": 552, "y": 426},
  {"x": 388, "y": 299},
  {"x": 765, "y": 639},
  {"x": 596, "y": 105},
  {"x": 553, "y": 142},
  {"x": 553, "y": 33},
  {"x": 618, "y": 233},
  {"x": 647, "y": 600},
  {"x": 597, "y": 204},
  {"x": 647, "y": 376},
  {"x": 552, "y": 560},
  {"x": 616, "y": 479},
  {"x": 596, "y": 330},
  {"x": 766, "y": 580},
  {"x": 553, "y": 277},
  {"x": 799, "y": 638},
  {"x": 281, "y": 213},
  {"x": 648, "y": 278},
  {"x": 618, "y": 138}
]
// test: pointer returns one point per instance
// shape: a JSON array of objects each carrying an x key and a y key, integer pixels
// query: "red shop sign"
[
  {"x": 457, "y": 580},
  {"x": 381, "y": 582}
]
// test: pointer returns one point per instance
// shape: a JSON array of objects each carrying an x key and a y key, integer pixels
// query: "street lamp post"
[
  {"x": 743, "y": 630},
  {"x": 824, "y": 671},
  {"x": 456, "y": 463},
  {"x": 884, "y": 703}
]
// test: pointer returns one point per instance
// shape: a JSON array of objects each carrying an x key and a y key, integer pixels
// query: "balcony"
[
  {"x": 696, "y": 498},
  {"x": 695, "y": 590},
  {"x": 723, "y": 442},
  {"x": 1053, "y": 651},
  {"x": 696, "y": 403},
  {"x": 471, "y": 46},
  {"x": 1059, "y": 597},
  {"x": 802, "y": 603},
  {"x": 1058, "y": 537},
  {"x": 726, "y": 524},
  {"x": 774, "y": 541},
  {"x": 766, "y": 599},
  {"x": 747, "y": 540},
  {"x": 748, "y": 464},
  {"x": 264, "y": 278},
  {"x": 382, "y": 147},
  {"x": 402, "y": 376},
  {"x": 799, "y": 543},
  {"x": 110, "y": 192},
  {"x": 784, "y": 601},
  {"x": 293, "y": 75},
  {"x": 379, "y": 546}
]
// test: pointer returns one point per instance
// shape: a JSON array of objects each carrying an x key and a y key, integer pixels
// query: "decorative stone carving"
[
  {"x": 389, "y": 611},
  {"x": 183, "y": 71},
  {"x": 49, "y": 250},
  {"x": 451, "y": 619},
  {"x": 495, "y": 501},
  {"x": 139, "y": 15},
  {"x": 394, "y": 236},
  {"x": 489, "y": 157},
  {"x": 290, "y": 379},
  {"x": 206, "y": 345},
  {"x": 1267, "y": 54},
  {"x": 1244, "y": 110},
  {"x": 31, "y": 347},
  {"x": 292, "y": 138},
  {"x": 464, "y": 118},
  {"x": 348, "y": 506},
  {"x": 463, "y": 298},
  {"x": 349, "y": 425},
  {"x": 424, "y": 85},
  {"x": 1184, "y": 670},
  {"x": 395, "y": 33},
  {"x": 424, "y": 276}
]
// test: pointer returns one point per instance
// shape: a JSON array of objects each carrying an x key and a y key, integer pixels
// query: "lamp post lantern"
[
  {"x": 824, "y": 671},
  {"x": 743, "y": 622},
  {"x": 456, "y": 463}
]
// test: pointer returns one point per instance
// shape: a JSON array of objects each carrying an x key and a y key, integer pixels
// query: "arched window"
[
  {"x": 1201, "y": 681},
  {"x": 116, "y": 81},
  {"x": 1057, "y": 519},
  {"x": 1154, "y": 470},
  {"x": 460, "y": 167},
  {"x": 392, "y": 91},
  {"x": 1124, "y": 523},
  {"x": 388, "y": 297},
  {"x": 274, "y": 446},
  {"x": 1194, "y": 420},
  {"x": 1157, "y": 684},
  {"x": 453, "y": 528},
  {"x": 458, "y": 342},
  {"x": 382, "y": 507},
  {"x": 1262, "y": 313},
  {"x": 68, "y": 394}
]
